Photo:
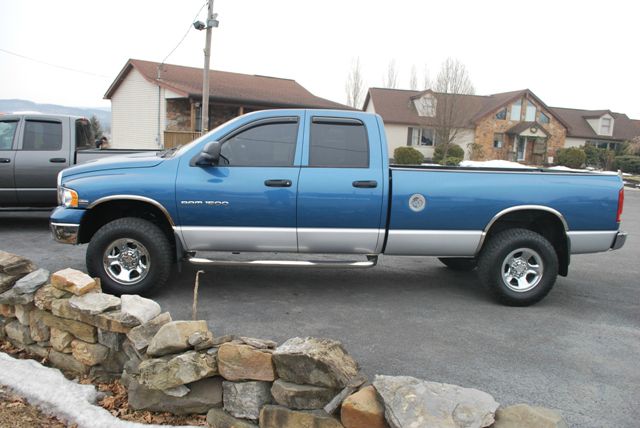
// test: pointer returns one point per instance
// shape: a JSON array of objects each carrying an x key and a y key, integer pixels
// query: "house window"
[
  {"x": 530, "y": 114},
  {"x": 498, "y": 141},
  {"x": 426, "y": 106},
  {"x": 608, "y": 145},
  {"x": 544, "y": 118},
  {"x": 605, "y": 126},
  {"x": 421, "y": 137},
  {"x": 501, "y": 114},
  {"x": 516, "y": 109}
]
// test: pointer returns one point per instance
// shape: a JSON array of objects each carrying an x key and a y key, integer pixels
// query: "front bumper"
[
  {"x": 65, "y": 233},
  {"x": 618, "y": 242}
]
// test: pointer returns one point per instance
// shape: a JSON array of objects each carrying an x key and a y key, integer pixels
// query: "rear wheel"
[
  {"x": 130, "y": 255},
  {"x": 518, "y": 266},
  {"x": 459, "y": 264}
]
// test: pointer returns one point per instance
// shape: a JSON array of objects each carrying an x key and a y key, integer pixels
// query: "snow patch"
[
  {"x": 494, "y": 164},
  {"x": 54, "y": 394}
]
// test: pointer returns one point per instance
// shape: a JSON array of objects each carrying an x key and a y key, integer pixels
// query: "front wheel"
[
  {"x": 129, "y": 255},
  {"x": 518, "y": 266}
]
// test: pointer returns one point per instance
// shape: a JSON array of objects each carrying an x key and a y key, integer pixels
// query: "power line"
[
  {"x": 185, "y": 34},
  {"x": 62, "y": 67}
]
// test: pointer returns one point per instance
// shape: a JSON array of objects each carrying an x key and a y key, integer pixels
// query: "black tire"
[
  {"x": 130, "y": 242},
  {"x": 509, "y": 282},
  {"x": 459, "y": 264}
]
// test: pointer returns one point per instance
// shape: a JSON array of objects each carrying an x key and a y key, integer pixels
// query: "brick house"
[
  {"x": 515, "y": 126},
  {"x": 156, "y": 106}
]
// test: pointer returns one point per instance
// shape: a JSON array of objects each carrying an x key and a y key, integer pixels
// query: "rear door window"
[
  {"x": 338, "y": 143},
  {"x": 7, "y": 132},
  {"x": 42, "y": 135}
]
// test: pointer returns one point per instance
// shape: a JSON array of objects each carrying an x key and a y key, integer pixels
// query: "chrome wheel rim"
[
  {"x": 126, "y": 261},
  {"x": 522, "y": 270}
]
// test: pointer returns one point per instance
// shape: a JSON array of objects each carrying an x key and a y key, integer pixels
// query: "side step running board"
[{"x": 335, "y": 264}]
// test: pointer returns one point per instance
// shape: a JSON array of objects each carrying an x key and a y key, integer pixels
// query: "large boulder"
[
  {"x": 169, "y": 372},
  {"x": 243, "y": 362},
  {"x": 280, "y": 417},
  {"x": 202, "y": 395},
  {"x": 142, "y": 309},
  {"x": 245, "y": 399},
  {"x": 74, "y": 281},
  {"x": 525, "y": 416},
  {"x": 301, "y": 397},
  {"x": 312, "y": 361},
  {"x": 94, "y": 303},
  {"x": 363, "y": 410},
  {"x": 32, "y": 282},
  {"x": 413, "y": 402},
  {"x": 174, "y": 337}
]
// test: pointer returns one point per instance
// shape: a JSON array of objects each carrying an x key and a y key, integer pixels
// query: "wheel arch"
[
  {"x": 105, "y": 210},
  {"x": 546, "y": 221}
]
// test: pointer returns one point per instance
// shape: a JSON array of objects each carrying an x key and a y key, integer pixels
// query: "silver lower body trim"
[
  {"x": 254, "y": 239},
  {"x": 343, "y": 241},
  {"x": 593, "y": 241},
  {"x": 65, "y": 233},
  {"x": 334, "y": 264},
  {"x": 441, "y": 243}
]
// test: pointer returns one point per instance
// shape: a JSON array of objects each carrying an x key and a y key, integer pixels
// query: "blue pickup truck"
[{"x": 319, "y": 181}]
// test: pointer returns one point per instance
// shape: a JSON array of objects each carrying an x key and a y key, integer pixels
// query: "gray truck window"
[
  {"x": 338, "y": 145},
  {"x": 84, "y": 135},
  {"x": 41, "y": 135},
  {"x": 7, "y": 131},
  {"x": 271, "y": 144}
]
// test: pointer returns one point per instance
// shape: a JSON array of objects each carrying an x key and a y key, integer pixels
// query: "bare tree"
[
  {"x": 426, "y": 78},
  {"x": 391, "y": 79},
  {"x": 355, "y": 85},
  {"x": 452, "y": 110},
  {"x": 413, "y": 78}
]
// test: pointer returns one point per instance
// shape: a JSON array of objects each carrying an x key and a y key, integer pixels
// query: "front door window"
[{"x": 521, "y": 148}]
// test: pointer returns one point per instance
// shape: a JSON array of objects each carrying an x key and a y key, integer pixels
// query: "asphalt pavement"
[{"x": 576, "y": 351}]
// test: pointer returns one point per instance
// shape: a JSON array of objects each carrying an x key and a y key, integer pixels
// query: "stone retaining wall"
[{"x": 182, "y": 367}]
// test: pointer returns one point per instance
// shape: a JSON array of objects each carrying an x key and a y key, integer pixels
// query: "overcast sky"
[{"x": 571, "y": 54}]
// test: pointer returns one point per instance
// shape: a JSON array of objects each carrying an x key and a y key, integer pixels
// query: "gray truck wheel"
[
  {"x": 518, "y": 266},
  {"x": 459, "y": 264},
  {"x": 129, "y": 255}
]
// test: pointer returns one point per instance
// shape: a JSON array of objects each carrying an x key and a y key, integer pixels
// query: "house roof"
[
  {"x": 623, "y": 127},
  {"x": 396, "y": 106},
  {"x": 225, "y": 86},
  {"x": 523, "y": 126}
]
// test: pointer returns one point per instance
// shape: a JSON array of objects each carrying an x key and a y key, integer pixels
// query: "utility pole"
[{"x": 205, "y": 77}]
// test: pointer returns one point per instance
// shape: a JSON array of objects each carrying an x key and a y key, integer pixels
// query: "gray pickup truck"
[{"x": 34, "y": 148}]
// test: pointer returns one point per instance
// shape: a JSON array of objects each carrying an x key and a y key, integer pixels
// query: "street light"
[{"x": 212, "y": 22}]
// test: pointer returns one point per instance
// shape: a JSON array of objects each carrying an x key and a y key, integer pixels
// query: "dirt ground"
[{"x": 16, "y": 412}]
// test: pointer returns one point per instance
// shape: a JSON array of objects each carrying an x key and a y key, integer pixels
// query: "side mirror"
[{"x": 210, "y": 155}]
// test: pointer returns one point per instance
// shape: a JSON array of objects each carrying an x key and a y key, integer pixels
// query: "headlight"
[{"x": 67, "y": 197}]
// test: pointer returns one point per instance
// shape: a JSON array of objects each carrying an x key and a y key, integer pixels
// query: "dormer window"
[
  {"x": 605, "y": 126},
  {"x": 516, "y": 109},
  {"x": 426, "y": 106}
]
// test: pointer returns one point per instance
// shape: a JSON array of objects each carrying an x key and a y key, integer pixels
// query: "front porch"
[{"x": 526, "y": 143}]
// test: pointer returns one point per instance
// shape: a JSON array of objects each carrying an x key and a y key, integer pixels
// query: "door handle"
[
  {"x": 366, "y": 184},
  {"x": 57, "y": 160},
  {"x": 277, "y": 183},
  {"x": 5, "y": 160}
]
